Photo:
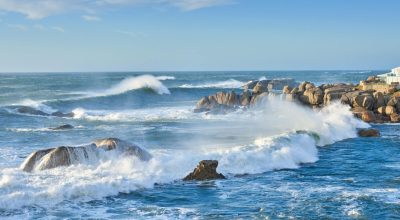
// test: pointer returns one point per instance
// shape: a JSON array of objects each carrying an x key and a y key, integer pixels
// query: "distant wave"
[
  {"x": 134, "y": 83},
  {"x": 228, "y": 84},
  {"x": 162, "y": 78},
  {"x": 36, "y": 104}
]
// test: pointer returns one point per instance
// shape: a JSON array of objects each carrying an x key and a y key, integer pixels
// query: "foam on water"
[
  {"x": 115, "y": 174},
  {"x": 228, "y": 84},
  {"x": 162, "y": 78}
]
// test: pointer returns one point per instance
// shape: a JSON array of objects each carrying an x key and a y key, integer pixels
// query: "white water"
[
  {"x": 163, "y": 78},
  {"x": 228, "y": 84},
  {"x": 134, "y": 83},
  {"x": 274, "y": 145}
]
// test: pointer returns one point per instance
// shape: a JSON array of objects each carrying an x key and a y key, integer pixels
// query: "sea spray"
[
  {"x": 227, "y": 84},
  {"x": 273, "y": 142}
]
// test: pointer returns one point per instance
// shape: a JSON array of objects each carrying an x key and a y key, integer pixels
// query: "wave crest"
[{"x": 227, "y": 84}]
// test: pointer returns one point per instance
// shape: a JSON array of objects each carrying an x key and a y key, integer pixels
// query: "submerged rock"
[
  {"x": 63, "y": 127},
  {"x": 206, "y": 170},
  {"x": 369, "y": 132},
  {"x": 31, "y": 111},
  {"x": 67, "y": 155}
]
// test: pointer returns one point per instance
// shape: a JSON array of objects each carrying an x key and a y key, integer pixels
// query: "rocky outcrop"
[
  {"x": 67, "y": 155},
  {"x": 370, "y": 132},
  {"x": 206, "y": 170},
  {"x": 32, "y": 111},
  {"x": 63, "y": 127}
]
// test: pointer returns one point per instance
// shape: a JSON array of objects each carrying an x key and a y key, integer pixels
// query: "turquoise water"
[{"x": 273, "y": 171}]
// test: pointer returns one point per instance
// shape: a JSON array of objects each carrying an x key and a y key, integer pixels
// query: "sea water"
[{"x": 281, "y": 160}]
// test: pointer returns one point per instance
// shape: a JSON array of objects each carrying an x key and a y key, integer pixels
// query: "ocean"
[{"x": 281, "y": 160}]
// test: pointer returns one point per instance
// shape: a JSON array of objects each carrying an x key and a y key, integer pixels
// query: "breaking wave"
[
  {"x": 284, "y": 135},
  {"x": 228, "y": 84},
  {"x": 134, "y": 83}
]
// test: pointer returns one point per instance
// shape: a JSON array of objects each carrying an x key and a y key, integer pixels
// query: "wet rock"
[
  {"x": 206, "y": 170},
  {"x": 379, "y": 100},
  {"x": 67, "y": 155},
  {"x": 63, "y": 127},
  {"x": 261, "y": 86},
  {"x": 369, "y": 132},
  {"x": 386, "y": 110},
  {"x": 395, "y": 118},
  {"x": 63, "y": 115},
  {"x": 31, "y": 111},
  {"x": 259, "y": 99},
  {"x": 286, "y": 90},
  {"x": 368, "y": 116},
  {"x": 250, "y": 85}
]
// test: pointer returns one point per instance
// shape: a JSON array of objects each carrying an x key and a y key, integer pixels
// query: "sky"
[{"x": 195, "y": 35}]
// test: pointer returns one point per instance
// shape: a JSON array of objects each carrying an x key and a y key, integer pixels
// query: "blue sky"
[{"x": 178, "y": 35}]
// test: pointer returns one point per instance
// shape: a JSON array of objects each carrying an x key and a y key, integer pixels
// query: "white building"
[{"x": 391, "y": 78}]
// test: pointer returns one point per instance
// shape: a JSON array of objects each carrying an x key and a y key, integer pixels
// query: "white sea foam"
[
  {"x": 133, "y": 83},
  {"x": 37, "y": 105},
  {"x": 162, "y": 78},
  {"x": 228, "y": 84},
  {"x": 148, "y": 114},
  {"x": 275, "y": 145}
]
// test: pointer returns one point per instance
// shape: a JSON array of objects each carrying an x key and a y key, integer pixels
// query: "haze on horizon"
[{"x": 179, "y": 35}]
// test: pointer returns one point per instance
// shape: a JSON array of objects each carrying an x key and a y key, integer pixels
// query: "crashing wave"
[
  {"x": 163, "y": 78},
  {"x": 135, "y": 83},
  {"x": 228, "y": 84}
]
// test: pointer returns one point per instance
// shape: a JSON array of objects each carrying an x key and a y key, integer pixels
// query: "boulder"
[
  {"x": 386, "y": 110},
  {"x": 335, "y": 92},
  {"x": 395, "y": 118},
  {"x": 312, "y": 95},
  {"x": 364, "y": 100},
  {"x": 206, "y": 170},
  {"x": 63, "y": 127},
  {"x": 259, "y": 99},
  {"x": 370, "y": 132},
  {"x": 245, "y": 98},
  {"x": 286, "y": 90},
  {"x": 63, "y": 115},
  {"x": 31, "y": 111},
  {"x": 302, "y": 86},
  {"x": 261, "y": 86},
  {"x": 250, "y": 85},
  {"x": 368, "y": 116},
  {"x": 67, "y": 155},
  {"x": 379, "y": 100}
]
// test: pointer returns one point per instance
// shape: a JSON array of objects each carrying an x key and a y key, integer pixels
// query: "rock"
[
  {"x": 261, "y": 86},
  {"x": 67, "y": 155},
  {"x": 278, "y": 84},
  {"x": 395, "y": 102},
  {"x": 245, "y": 98},
  {"x": 379, "y": 100},
  {"x": 31, "y": 111},
  {"x": 63, "y": 115},
  {"x": 302, "y": 86},
  {"x": 206, "y": 170},
  {"x": 250, "y": 85},
  {"x": 395, "y": 118},
  {"x": 371, "y": 79},
  {"x": 368, "y": 116},
  {"x": 63, "y": 127},
  {"x": 348, "y": 97},
  {"x": 232, "y": 99},
  {"x": 335, "y": 92},
  {"x": 386, "y": 110},
  {"x": 312, "y": 95},
  {"x": 259, "y": 99},
  {"x": 286, "y": 90},
  {"x": 364, "y": 100},
  {"x": 370, "y": 132},
  {"x": 203, "y": 103}
]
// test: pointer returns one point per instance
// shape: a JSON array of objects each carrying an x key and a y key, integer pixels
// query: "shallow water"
[{"x": 273, "y": 171}]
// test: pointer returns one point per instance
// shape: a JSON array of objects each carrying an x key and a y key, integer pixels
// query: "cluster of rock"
[
  {"x": 253, "y": 91},
  {"x": 368, "y": 105},
  {"x": 32, "y": 111}
]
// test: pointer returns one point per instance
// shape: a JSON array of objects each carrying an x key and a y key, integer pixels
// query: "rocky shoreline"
[{"x": 370, "y": 105}]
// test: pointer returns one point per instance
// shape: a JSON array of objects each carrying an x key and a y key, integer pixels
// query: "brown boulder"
[
  {"x": 286, "y": 90},
  {"x": 206, "y": 170},
  {"x": 245, "y": 98},
  {"x": 379, "y": 100},
  {"x": 261, "y": 86},
  {"x": 395, "y": 118},
  {"x": 369, "y": 132},
  {"x": 368, "y": 116},
  {"x": 386, "y": 110}
]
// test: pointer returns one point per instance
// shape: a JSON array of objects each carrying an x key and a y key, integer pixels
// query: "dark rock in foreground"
[
  {"x": 206, "y": 170},
  {"x": 370, "y": 132},
  {"x": 67, "y": 155},
  {"x": 63, "y": 127}
]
